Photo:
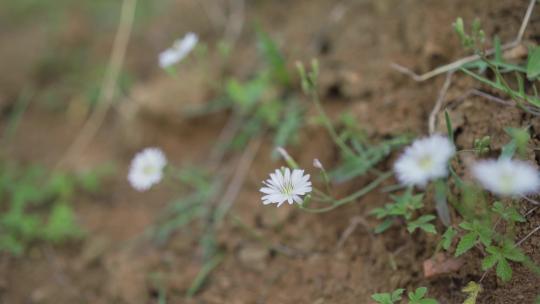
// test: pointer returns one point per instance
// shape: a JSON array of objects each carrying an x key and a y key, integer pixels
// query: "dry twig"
[
  {"x": 234, "y": 187},
  {"x": 108, "y": 87},
  {"x": 439, "y": 102}
]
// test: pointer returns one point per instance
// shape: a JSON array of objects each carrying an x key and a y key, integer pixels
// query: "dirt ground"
[{"x": 355, "y": 42}]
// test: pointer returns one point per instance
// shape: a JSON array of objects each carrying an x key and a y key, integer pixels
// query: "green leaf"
[
  {"x": 513, "y": 253},
  {"x": 61, "y": 224},
  {"x": 420, "y": 292},
  {"x": 10, "y": 244},
  {"x": 520, "y": 140},
  {"x": 489, "y": 262},
  {"x": 388, "y": 298},
  {"x": 441, "y": 204},
  {"x": 447, "y": 238},
  {"x": 449, "y": 127},
  {"x": 508, "y": 150},
  {"x": 418, "y": 297},
  {"x": 498, "y": 50},
  {"x": 509, "y": 213},
  {"x": 288, "y": 126},
  {"x": 533, "y": 63},
  {"x": 422, "y": 223},
  {"x": 272, "y": 56},
  {"x": 466, "y": 243},
  {"x": 384, "y": 226},
  {"x": 504, "y": 271},
  {"x": 355, "y": 165},
  {"x": 61, "y": 185},
  {"x": 396, "y": 294}
]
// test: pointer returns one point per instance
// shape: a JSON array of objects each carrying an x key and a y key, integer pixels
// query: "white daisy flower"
[
  {"x": 284, "y": 185},
  {"x": 426, "y": 159},
  {"x": 507, "y": 177},
  {"x": 147, "y": 168},
  {"x": 178, "y": 51}
]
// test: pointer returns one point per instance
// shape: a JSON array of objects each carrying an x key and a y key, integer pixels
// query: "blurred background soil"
[{"x": 58, "y": 55}]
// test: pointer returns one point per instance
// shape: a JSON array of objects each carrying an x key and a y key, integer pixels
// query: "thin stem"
[
  {"x": 108, "y": 88},
  {"x": 324, "y": 196},
  {"x": 353, "y": 196},
  {"x": 328, "y": 124},
  {"x": 203, "y": 274}
]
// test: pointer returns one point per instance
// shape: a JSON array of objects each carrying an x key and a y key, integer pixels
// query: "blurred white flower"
[
  {"x": 426, "y": 159},
  {"x": 507, "y": 177},
  {"x": 178, "y": 51},
  {"x": 147, "y": 168},
  {"x": 284, "y": 185}
]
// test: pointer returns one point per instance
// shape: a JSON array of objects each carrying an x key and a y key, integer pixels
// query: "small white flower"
[
  {"x": 178, "y": 51},
  {"x": 284, "y": 185},
  {"x": 507, "y": 177},
  {"x": 147, "y": 169},
  {"x": 426, "y": 159}
]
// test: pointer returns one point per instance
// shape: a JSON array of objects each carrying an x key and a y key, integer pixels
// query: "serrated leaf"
[
  {"x": 466, "y": 243},
  {"x": 383, "y": 226},
  {"x": 504, "y": 271},
  {"x": 509, "y": 214},
  {"x": 489, "y": 262},
  {"x": 447, "y": 238},
  {"x": 396, "y": 294},
  {"x": 511, "y": 252},
  {"x": 422, "y": 223}
]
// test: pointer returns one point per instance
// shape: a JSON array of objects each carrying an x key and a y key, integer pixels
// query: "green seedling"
[
  {"x": 388, "y": 298},
  {"x": 500, "y": 256},
  {"x": 477, "y": 231},
  {"x": 418, "y": 297},
  {"x": 38, "y": 205},
  {"x": 447, "y": 238},
  {"x": 404, "y": 206}
]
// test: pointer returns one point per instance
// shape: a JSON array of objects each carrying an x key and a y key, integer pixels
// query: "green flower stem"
[
  {"x": 322, "y": 196},
  {"x": 328, "y": 124},
  {"x": 203, "y": 274},
  {"x": 353, "y": 196}
]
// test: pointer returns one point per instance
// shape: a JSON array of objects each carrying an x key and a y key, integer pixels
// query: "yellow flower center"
[
  {"x": 506, "y": 181},
  {"x": 149, "y": 170},
  {"x": 425, "y": 162}
]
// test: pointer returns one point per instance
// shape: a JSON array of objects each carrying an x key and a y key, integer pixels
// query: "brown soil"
[{"x": 355, "y": 42}]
